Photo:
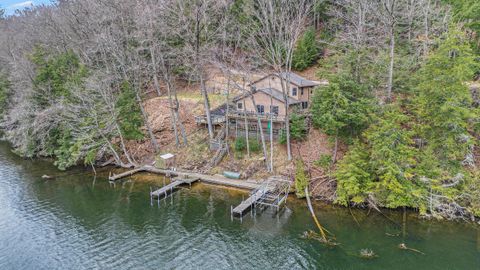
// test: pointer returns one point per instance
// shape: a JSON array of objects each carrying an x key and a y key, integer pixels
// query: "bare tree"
[{"x": 277, "y": 28}]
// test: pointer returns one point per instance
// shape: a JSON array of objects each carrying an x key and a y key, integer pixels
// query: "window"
[
  {"x": 294, "y": 91},
  {"x": 274, "y": 110},
  {"x": 311, "y": 91},
  {"x": 260, "y": 109},
  {"x": 239, "y": 105},
  {"x": 301, "y": 91},
  {"x": 304, "y": 105}
]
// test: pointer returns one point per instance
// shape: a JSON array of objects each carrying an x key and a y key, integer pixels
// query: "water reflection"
[{"x": 81, "y": 221}]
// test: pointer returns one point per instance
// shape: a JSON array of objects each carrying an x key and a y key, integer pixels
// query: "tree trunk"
[
  {"x": 227, "y": 123},
  {"x": 264, "y": 147},
  {"x": 206, "y": 104},
  {"x": 271, "y": 134},
  {"x": 247, "y": 139},
  {"x": 172, "y": 114},
  {"x": 425, "y": 28},
  {"x": 392, "y": 59},
  {"x": 155, "y": 77},
  {"x": 147, "y": 124},
  {"x": 335, "y": 149}
]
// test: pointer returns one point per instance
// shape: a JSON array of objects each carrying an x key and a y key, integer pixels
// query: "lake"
[{"x": 79, "y": 221}]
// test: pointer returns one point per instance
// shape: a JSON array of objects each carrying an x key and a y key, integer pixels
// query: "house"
[
  {"x": 268, "y": 94},
  {"x": 264, "y": 100}
]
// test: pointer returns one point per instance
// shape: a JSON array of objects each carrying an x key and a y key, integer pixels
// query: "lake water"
[{"x": 79, "y": 222}]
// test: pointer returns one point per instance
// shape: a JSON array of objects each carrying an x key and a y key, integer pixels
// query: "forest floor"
[{"x": 196, "y": 155}]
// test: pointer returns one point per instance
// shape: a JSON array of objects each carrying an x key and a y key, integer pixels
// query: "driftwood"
[
  {"x": 312, "y": 235},
  {"x": 404, "y": 247}
]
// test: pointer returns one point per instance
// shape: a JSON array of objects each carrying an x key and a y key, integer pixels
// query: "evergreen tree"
[
  {"x": 354, "y": 178},
  {"x": 306, "y": 52},
  {"x": 444, "y": 102},
  {"x": 4, "y": 94},
  {"x": 382, "y": 166},
  {"x": 342, "y": 109},
  {"x": 55, "y": 75},
  {"x": 129, "y": 113},
  {"x": 301, "y": 179}
]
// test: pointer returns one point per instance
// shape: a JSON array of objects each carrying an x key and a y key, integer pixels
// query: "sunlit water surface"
[{"x": 79, "y": 222}]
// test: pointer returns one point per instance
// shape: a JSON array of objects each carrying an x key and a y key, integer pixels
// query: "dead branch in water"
[{"x": 322, "y": 230}]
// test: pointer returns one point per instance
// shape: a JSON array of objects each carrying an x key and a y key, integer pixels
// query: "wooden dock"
[
  {"x": 272, "y": 193},
  {"x": 248, "y": 203},
  {"x": 209, "y": 179},
  {"x": 168, "y": 189}
]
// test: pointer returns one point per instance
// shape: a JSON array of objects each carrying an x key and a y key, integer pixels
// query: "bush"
[
  {"x": 325, "y": 161},
  {"x": 241, "y": 145},
  {"x": 298, "y": 129},
  {"x": 301, "y": 179}
]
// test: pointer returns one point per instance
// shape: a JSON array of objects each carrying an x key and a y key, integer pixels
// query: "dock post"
[
  {"x": 158, "y": 200},
  {"x": 231, "y": 212},
  {"x": 151, "y": 197}
]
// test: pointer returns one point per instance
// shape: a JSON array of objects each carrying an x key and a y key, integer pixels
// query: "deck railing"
[{"x": 254, "y": 115}]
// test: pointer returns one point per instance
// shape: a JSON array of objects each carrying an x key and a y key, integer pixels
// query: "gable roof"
[
  {"x": 274, "y": 93},
  {"x": 294, "y": 78},
  {"x": 298, "y": 80}
]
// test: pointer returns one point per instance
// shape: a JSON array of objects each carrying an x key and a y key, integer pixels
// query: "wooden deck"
[{"x": 209, "y": 179}]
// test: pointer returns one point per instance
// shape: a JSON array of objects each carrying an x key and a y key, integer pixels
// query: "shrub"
[{"x": 301, "y": 179}]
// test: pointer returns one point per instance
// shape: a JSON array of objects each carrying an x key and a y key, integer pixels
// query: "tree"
[
  {"x": 381, "y": 166},
  {"x": 130, "y": 117},
  {"x": 444, "y": 102},
  {"x": 341, "y": 109},
  {"x": 354, "y": 176},
  {"x": 306, "y": 51},
  {"x": 4, "y": 94},
  {"x": 301, "y": 179},
  {"x": 277, "y": 27}
]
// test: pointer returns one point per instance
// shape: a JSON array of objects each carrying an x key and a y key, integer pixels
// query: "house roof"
[
  {"x": 294, "y": 78},
  {"x": 274, "y": 93}
]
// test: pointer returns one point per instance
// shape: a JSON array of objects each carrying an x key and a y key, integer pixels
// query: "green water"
[{"x": 79, "y": 222}]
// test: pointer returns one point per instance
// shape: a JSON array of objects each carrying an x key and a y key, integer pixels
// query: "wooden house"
[{"x": 268, "y": 94}]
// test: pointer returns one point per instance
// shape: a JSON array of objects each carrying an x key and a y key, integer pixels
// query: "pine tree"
[
  {"x": 306, "y": 51},
  {"x": 129, "y": 113}
]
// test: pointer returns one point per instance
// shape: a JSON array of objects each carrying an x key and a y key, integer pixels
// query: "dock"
[
  {"x": 247, "y": 204},
  {"x": 168, "y": 189},
  {"x": 209, "y": 179},
  {"x": 272, "y": 193}
]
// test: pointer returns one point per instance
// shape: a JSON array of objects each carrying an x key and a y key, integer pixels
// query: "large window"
[
  {"x": 274, "y": 110},
  {"x": 301, "y": 91},
  {"x": 240, "y": 105},
  {"x": 294, "y": 91},
  {"x": 304, "y": 105},
  {"x": 260, "y": 109}
]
